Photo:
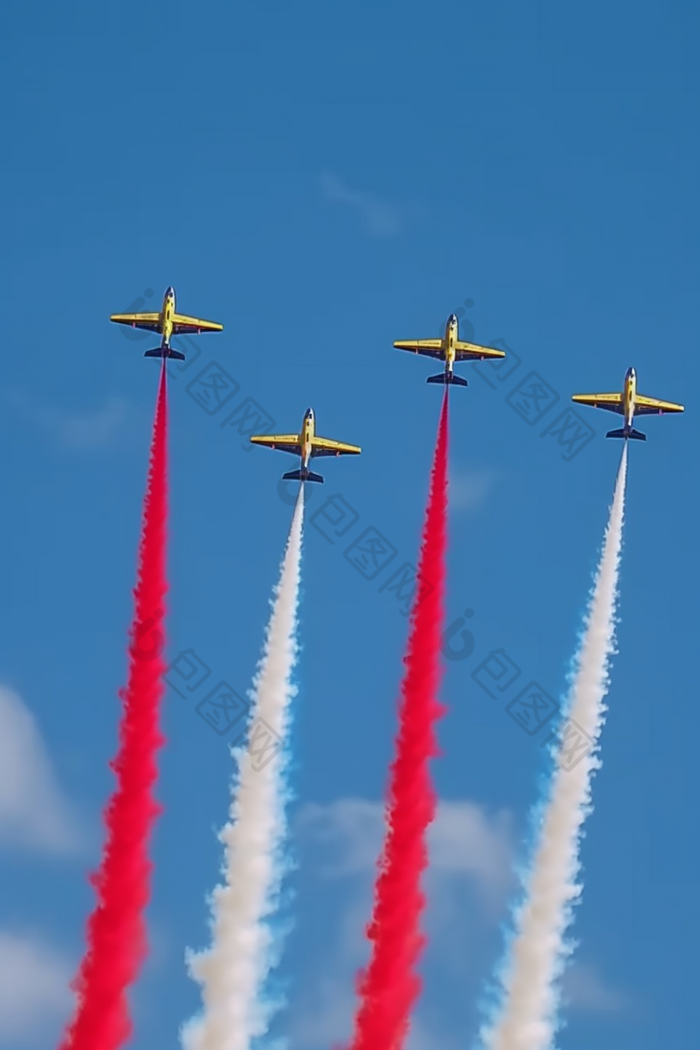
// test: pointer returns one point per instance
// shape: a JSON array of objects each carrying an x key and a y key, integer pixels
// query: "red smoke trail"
[
  {"x": 116, "y": 935},
  {"x": 389, "y": 986}
]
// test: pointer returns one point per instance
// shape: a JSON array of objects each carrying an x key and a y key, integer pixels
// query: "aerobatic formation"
[{"x": 246, "y": 943}]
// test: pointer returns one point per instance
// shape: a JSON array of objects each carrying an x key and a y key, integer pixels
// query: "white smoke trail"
[
  {"x": 526, "y": 1017},
  {"x": 232, "y": 972}
]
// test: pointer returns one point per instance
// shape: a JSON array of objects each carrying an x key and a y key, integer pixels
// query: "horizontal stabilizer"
[
  {"x": 165, "y": 351},
  {"x": 302, "y": 475},
  {"x": 447, "y": 377},
  {"x": 627, "y": 434}
]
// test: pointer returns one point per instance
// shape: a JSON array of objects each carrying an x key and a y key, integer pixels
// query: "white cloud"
[
  {"x": 329, "y": 1020},
  {"x": 101, "y": 428},
  {"x": 420, "y": 1037},
  {"x": 583, "y": 989},
  {"x": 325, "y": 1018},
  {"x": 467, "y": 841},
  {"x": 463, "y": 840},
  {"x": 378, "y": 218},
  {"x": 34, "y": 989},
  {"x": 33, "y": 811},
  {"x": 468, "y": 881},
  {"x": 469, "y": 489},
  {"x": 108, "y": 426},
  {"x": 350, "y": 827}
]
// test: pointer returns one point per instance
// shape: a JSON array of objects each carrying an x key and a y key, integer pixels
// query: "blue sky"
[{"x": 324, "y": 179}]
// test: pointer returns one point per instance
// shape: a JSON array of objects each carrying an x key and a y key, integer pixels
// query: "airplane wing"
[
  {"x": 474, "y": 352},
  {"x": 183, "y": 324},
  {"x": 283, "y": 442},
  {"x": 149, "y": 321},
  {"x": 429, "y": 347},
  {"x": 647, "y": 406},
  {"x": 326, "y": 447},
  {"x": 613, "y": 402}
]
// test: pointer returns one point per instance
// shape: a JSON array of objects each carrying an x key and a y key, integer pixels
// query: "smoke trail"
[
  {"x": 390, "y": 985},
  {"x": 232, "y": 972},
  {"x": 527, "y": 1019},
  {"x": 116, "y": 935}
]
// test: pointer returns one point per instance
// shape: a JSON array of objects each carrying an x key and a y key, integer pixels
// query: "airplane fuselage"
[
  {"x": 166, "y": 316},
  {"x": 308, "y": 430},
  {"x": 449, "y": 343},
  {"x": 629, "y": 392}
]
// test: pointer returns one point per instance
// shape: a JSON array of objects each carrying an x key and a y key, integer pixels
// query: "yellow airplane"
[
  {"x": 449, "y": 349},
  {"x": 627, "y": 404},
  {"x": 307, "y": 445},
  {"x": 168, "y": 323}
]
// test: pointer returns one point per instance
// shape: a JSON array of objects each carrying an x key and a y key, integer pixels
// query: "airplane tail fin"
[
  {"x": 165, "y": 351},
  {"x": 302, "y": 475},
  {"x": 627, "y": 434},
  {"x": 447, "y": 377}
]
